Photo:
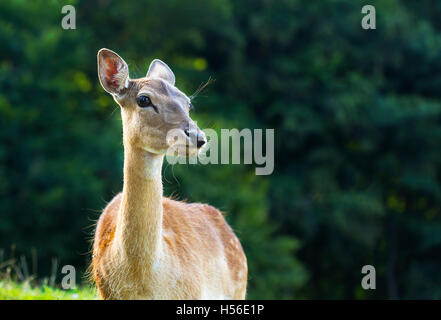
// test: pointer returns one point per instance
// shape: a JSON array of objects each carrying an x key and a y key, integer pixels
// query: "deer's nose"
[
  {"x": 200, "y": 142},
  {"x": 199, "y": 137}
]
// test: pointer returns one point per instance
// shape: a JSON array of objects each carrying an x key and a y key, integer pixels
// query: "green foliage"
[
  {"x": 22, "y": 291},
  {"x": 356, "y": 113}
]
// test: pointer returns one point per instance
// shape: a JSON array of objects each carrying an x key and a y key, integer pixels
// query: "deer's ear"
[
  {"x": 113, "y": 72},
  {"x": 159, "y": 69}
]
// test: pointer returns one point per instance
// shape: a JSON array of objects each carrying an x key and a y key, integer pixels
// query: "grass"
[
  {"x": 17, "y": 283},
  {"x": 10, "y": 290}
]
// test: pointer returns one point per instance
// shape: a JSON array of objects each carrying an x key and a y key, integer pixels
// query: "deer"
[{"x": 146, "y": 245}]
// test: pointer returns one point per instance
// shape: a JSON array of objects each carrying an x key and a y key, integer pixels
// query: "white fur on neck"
[{"x": 153, "y": 165}]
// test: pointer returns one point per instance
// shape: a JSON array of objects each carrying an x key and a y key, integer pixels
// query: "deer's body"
[
  {"x": 147, "y": 246},
  {"x": 179, "y": 273}
]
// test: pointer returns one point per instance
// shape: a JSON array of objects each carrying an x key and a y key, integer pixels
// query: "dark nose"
[{"x": 200, "y": 141}]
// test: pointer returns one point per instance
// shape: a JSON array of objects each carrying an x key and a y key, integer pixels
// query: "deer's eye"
[{"x": 144, "y": 101}]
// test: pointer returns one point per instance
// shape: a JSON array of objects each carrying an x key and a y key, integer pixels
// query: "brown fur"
[{"x": 187, "y": 226}]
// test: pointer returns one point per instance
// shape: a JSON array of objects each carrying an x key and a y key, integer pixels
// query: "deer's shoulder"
[
  {"x": 191, "y": 214},
  {"x": 203, "y": 225}
]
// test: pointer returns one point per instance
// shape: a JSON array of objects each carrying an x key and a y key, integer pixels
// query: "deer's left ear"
[
  {"x": 159, "y": 69},
  {"x": 113, "y": 72}
]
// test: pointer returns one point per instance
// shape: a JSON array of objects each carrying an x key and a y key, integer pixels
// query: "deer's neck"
[{"x": 139, "y": 224}]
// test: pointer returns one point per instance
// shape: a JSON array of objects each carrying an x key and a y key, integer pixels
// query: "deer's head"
[{"x": 155, "y": 113}]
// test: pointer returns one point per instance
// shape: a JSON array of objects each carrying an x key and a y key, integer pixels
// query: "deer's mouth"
[
  {"x": 183, "y": 150},
  {"x": 185, "y": 143}
]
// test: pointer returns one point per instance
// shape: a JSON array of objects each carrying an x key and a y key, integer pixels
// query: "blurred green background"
[{"x": 356, "y": 113}]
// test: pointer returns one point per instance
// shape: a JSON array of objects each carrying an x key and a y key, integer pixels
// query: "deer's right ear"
[{"x": 113, "y": 72}]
